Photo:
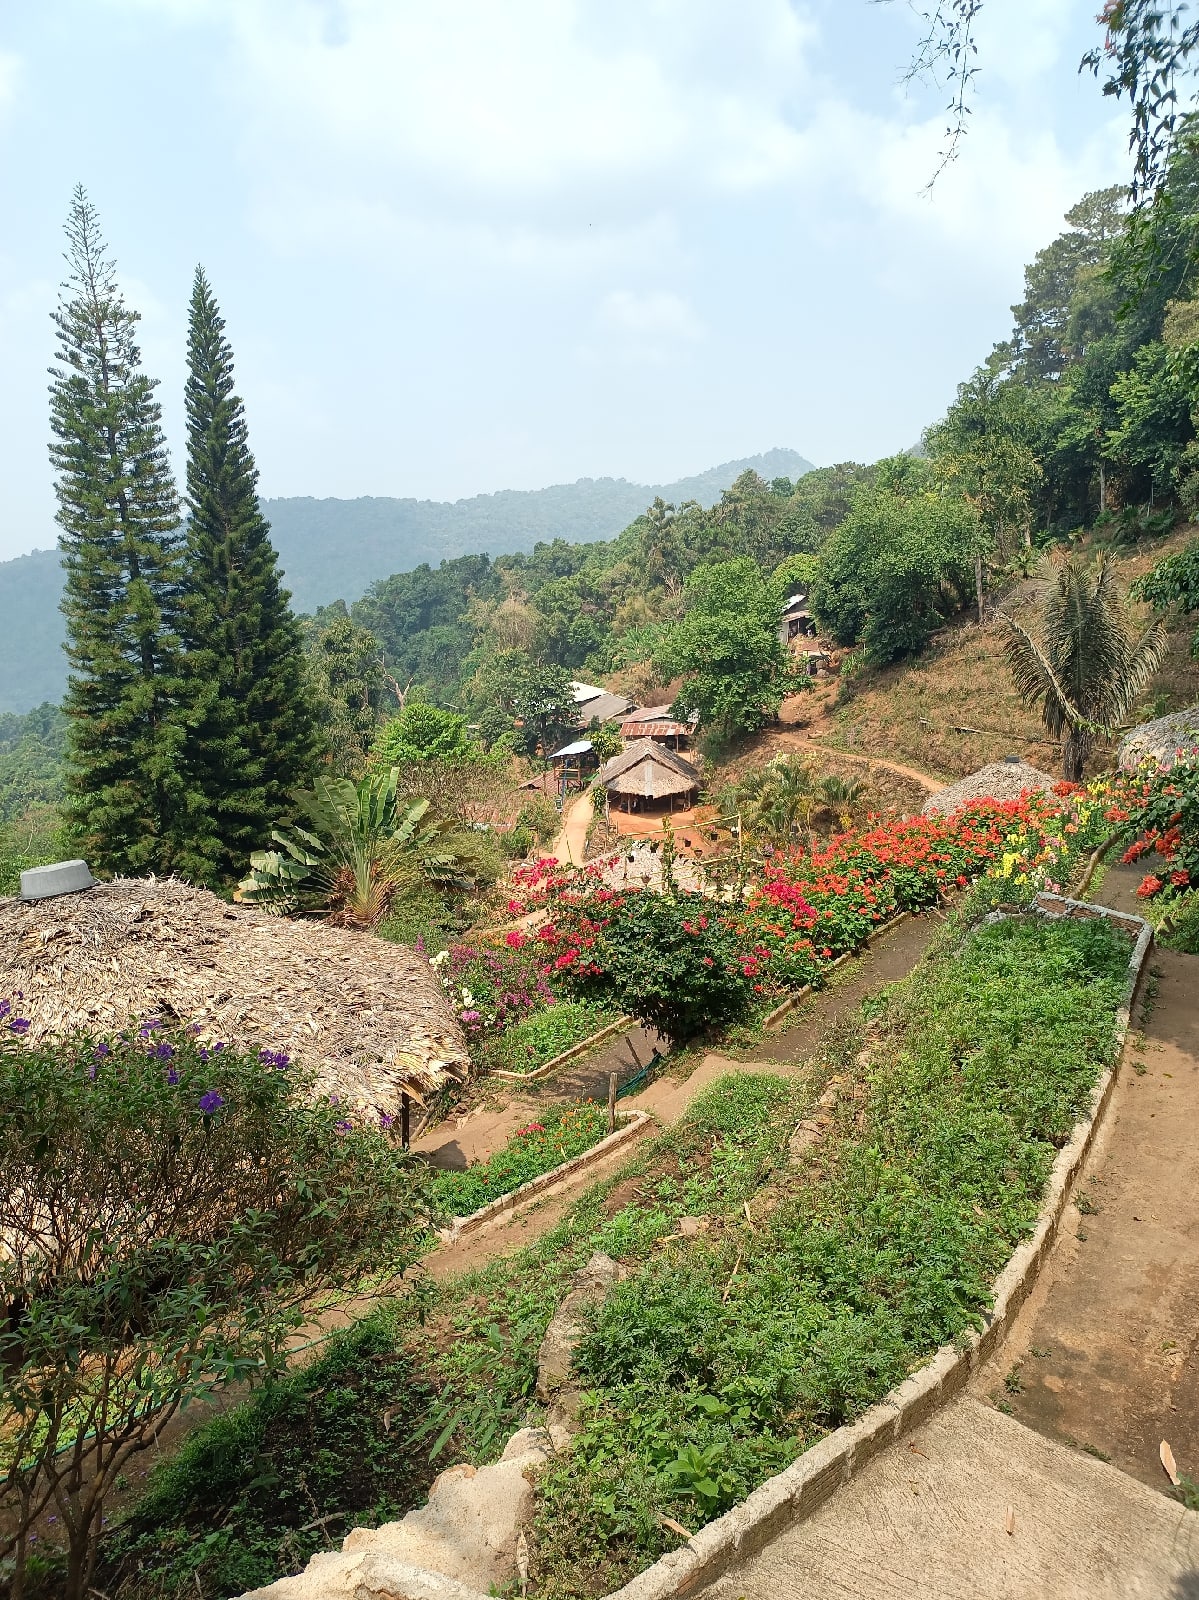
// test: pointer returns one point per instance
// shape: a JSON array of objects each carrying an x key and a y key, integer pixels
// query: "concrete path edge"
[{"x": 635, "y": 1124}]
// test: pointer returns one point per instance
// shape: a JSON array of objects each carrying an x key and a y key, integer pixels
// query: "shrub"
[
  {"x": 170, "y": 1212},
  {"x": 668, "y": 960}
]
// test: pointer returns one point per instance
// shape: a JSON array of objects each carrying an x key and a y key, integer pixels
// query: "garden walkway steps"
[{"x": 928, "y": 1520}]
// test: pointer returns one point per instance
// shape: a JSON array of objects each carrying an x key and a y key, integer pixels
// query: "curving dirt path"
[
  {"x": 570, "y": 847},
  {"x": 932, "y": 785}
]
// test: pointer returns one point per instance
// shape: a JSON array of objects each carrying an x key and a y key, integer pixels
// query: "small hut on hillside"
[
  {"x": 1002, "y": 780},
  {"x": 647, "y": 776},
  {"x": 368, "y": 1018},
  {"x": 1161, "y": 739}
]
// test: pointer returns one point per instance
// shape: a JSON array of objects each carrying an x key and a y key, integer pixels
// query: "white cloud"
[
  {"x": 655, "y": 315},
  {"x": 10, "y": 72}
]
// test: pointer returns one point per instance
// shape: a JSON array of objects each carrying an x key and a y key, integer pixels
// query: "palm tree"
[
  {"x": 363, "y": 843},
  {"x": 840, "y": 796},
  {"x": 1090, "y": 668}
]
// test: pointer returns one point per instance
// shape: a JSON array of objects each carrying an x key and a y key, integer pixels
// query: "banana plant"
[{"x": 361, "y": 844}]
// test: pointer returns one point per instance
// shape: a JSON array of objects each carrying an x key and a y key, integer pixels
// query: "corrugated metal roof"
[
  {"x": 656, "y": 730},
  {"x": 604, "y": 708},
  {"x": 579, "y": 748}
]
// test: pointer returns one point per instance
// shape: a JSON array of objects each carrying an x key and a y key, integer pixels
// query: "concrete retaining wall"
[{"x": 635, "y": 1124}]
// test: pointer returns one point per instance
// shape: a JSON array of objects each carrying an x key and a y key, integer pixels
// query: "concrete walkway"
[
  {"x": 929, "y": 1519},
  {"x": 1099, "y": 1366}
]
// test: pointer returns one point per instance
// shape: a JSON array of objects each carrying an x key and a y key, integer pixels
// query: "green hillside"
[{"x": 335, "y": 549}]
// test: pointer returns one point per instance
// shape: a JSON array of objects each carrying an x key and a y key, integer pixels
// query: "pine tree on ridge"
[
  {"x": 119, "y": 515},
  {"x": 252, "y": 735}
]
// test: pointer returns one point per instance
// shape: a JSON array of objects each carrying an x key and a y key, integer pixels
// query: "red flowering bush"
[
  {"x": 633, "y": 950},
  {"x": 672, "y": 961},
  {"x": 1161, "y": 808}
]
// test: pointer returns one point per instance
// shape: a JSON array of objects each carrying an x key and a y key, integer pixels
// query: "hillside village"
[{"x": 654, "y": 1060}]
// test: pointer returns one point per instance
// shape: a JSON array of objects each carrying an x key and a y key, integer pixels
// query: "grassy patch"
[
  {"x": 547, "y": 1033},
  {"x": 554, "y": 1137},
  {"x": 256, "y": 1492}
]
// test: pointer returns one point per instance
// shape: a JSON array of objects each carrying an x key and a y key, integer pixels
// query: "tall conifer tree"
[
  {"x": 253, "y": 736},
  {"x": 119, "y": 515}
]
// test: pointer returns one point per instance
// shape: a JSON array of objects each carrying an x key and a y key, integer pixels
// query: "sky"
[{"x": 465, "y": 246}]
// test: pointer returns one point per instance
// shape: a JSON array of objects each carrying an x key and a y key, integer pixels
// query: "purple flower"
[
  {"x": 164, "y": 1051},
  {"x": 211, "y": 1101},
  {"x": 19, "y": 1025},
  {"x": 5, "y": 1008},
  {"x": 91, "y": 1071},
  {"x": 343, "y": 1126},
  {"x": 219, "y": 1045},
  {"x": 173, "y": 1077},
  {"x": 101, "y": 1051},
  {"x": 274, "y": 1058},
  {"x": 385, "y": 1119}
]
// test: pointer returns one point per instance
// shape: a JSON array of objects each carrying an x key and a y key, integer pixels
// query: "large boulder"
[{"x": 1161, "y": 739}]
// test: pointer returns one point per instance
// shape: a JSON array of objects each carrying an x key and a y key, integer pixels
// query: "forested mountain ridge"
[{"x": 335, "y": 549}]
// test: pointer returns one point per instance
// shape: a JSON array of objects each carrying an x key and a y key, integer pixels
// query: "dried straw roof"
[
  {"x": 1161, "y": 739},
  {"x": 650, "y": 770},
  {"x": 1002, "y": 780},
  {"x": 368, "y": 1018}
]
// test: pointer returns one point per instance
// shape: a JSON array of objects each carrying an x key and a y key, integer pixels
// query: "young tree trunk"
[
  {"x": 1074, "y": 755},
  {"x": 1102, "y": 486},
  {"x": 978, "y": 585}
]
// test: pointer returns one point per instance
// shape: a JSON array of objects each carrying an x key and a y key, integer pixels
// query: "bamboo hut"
[
  {"x": 1002, "y": 780},
  {"x": 369, "y": 1019},
  {"x": 646, "y": 774}
]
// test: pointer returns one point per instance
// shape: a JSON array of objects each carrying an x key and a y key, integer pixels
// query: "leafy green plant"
[
  {"x": 667, "y": 960},
  {"x": 171, "y": 1211},
  {"x": 360, "y": 846}
]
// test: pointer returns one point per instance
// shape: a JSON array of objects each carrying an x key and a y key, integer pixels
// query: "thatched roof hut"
[
  {"x": 369, "y": 1018},
  {"x": 1161, "y": 739},
  {"x": 647, "y": 770},
  {"x": 1002, "y": 780}
]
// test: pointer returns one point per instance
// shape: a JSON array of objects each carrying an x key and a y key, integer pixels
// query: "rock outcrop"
[
  {"x": 556, "y": 1355},
  {"x": 467, "y": 1533}
]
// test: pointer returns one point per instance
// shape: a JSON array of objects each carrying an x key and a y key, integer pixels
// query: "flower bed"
[
  {"x": 699, "y": 962},
  {"x": 544, "y": 1034},
  {"x": 560, "y": 1133}
]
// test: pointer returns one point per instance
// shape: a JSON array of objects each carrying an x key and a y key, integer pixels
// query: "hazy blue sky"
[{"x": 465, "y": 245}]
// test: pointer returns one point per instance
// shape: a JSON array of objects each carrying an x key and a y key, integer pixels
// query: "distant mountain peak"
[{"x": 335, "y": 549}]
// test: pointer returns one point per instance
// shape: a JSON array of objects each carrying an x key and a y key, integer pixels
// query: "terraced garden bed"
[{"x": 815, "y": 1283}]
